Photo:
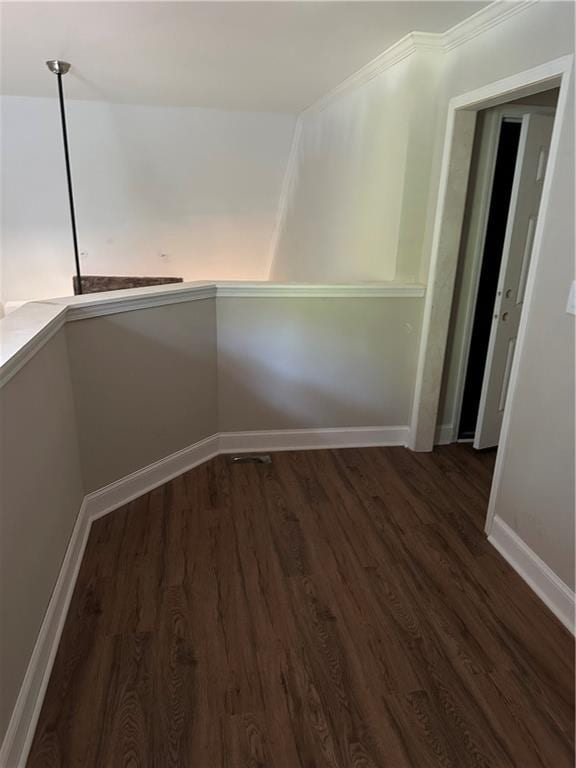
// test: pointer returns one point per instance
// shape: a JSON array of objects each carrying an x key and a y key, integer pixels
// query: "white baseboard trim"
[
  {"x": 132, "y": 486},
  {"x": 312, "y": 439},
  {"x": 444, "y": 434},
  {"x": 142, "y": 481},
  {"x": 22, "y": 726},
  {"x": 539, "y": 576},
  {"x": 20, "y": 732}
]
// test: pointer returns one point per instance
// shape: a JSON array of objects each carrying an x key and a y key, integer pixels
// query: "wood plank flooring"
[{"x": 334, "y": 608}]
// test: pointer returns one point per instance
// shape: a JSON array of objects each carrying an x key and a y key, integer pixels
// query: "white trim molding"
[
  {"x": 485, "y": 19},
  {"x": 448, "y": 221},
  {"x": 444, "y": 434},
  {"x": 546, "y": 584},
  {"x": 432, "y": 42},
  {"x": 381, "y": 290},
  {"x": 22, "y": 725},
  {"x": 114, "y": 302},
  {"x": 94, "y": 305},
  {"x": 312, "y": 439},
  {"x": 443, "y": 260},
  {"x": 435, "y": 43},
  {"x": 120, "y": 492},
  {"x": 555, "y": 594},
  {"x": 25, "y": 330},
  {"x": 400, "y": 50}
]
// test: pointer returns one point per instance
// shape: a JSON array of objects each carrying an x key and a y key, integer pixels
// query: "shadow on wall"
[
  {"x": 301, "y": 364},
  {"x": 145, "y": 385},
  {"x": 295, "y": 404},
  {"x": 151, "y": 382}
]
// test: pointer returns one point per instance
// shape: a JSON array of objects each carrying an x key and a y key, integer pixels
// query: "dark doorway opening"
[{"x": 488, "y": 283}]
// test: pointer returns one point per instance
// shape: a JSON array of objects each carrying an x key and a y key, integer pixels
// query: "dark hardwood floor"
[{"x": 334, "y": 608}]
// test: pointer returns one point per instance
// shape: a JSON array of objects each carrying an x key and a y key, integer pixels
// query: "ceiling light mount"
[{"x": 57, "y": 66}]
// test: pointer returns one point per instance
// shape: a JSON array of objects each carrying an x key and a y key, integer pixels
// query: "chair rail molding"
[{"x": 25, "y": 330}]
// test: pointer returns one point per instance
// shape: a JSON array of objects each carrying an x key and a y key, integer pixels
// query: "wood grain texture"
[{"x": 334, "y": 608}]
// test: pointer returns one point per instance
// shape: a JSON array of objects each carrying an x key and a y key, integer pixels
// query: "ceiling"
[{"x": 263, "y": 56}]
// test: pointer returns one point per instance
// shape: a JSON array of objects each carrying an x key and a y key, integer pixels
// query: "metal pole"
[{"x": 60, "y": 68}]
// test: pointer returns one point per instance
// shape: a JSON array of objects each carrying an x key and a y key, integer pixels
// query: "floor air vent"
[{"x": 251, "y": 458}]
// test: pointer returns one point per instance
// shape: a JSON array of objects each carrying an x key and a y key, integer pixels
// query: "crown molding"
[
  {"x": 483, "y": 20},
  {"x": 397, "y": 52},
  {"x": 438, "y": 43},
  {"x": 427, "y": 41}
]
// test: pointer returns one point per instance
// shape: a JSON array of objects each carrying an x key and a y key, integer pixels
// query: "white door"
[{"x": 533, "y": 150}]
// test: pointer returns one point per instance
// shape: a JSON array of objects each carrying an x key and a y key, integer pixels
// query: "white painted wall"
[
  {"x": 197, "y": 185},
  {"x": 361, "y": 206},
  {"x": 541, "y": 32},
  {"x": 536, "y": 493},
  {"x": 356, "y": 208}
]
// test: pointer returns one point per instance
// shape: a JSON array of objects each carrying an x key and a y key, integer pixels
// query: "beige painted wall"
[
  {"x": 146, "y": 382},
  {"x": 145, "y": 386},
  {"x": 312, "y": 363},
  {"x": 41, "y": 491}
]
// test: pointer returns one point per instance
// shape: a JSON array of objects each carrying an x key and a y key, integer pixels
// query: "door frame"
[
  {"x": 447, "y": 233},
  {"x": 473, "y": 248}
]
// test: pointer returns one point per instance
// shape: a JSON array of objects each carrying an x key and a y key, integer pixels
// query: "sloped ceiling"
[{"x": 263, "y": 56}]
